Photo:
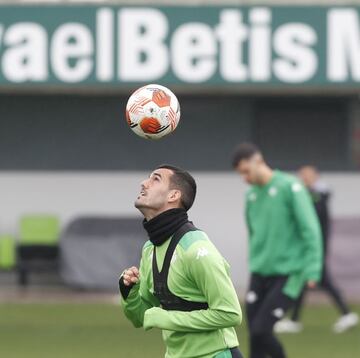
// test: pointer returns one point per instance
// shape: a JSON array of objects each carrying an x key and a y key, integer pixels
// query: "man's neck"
[
  {"x": 151, "y": 213},
  {"x": 266, "y": 175},
  {"x": 161, "y": 227}
]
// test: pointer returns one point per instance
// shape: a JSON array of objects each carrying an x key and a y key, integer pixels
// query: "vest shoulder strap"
[{"x": 171, "y": 248}]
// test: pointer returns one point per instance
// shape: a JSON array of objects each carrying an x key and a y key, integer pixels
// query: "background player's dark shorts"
[
  {"x": 266, "y": 303},
  {"x": 235, "y": 353}
]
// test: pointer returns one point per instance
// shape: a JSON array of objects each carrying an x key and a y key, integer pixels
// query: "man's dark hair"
[
  {"x": 183, "y": 181},
  {"x": 244, "y": 151}
]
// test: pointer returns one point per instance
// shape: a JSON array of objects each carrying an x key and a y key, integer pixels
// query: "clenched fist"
[{"x": 131, "y": 276}]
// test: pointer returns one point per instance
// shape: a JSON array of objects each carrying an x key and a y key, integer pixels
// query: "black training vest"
[{"x": 167, "y": 299}]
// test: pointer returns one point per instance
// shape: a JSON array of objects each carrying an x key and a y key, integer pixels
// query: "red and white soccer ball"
[{"x": 153, "y": 111}]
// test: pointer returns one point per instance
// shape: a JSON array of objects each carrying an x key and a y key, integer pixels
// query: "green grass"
[{"x": 101, "y": 331}]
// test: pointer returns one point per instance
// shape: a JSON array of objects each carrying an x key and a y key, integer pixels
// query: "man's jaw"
[
  {"x": 139, "y": 202},
  {"x": 145, "y": 210}
]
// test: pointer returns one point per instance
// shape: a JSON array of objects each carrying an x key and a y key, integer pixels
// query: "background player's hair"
[
  {"x": 183, "y": 181},
  {"x": 244, "y": 151}
]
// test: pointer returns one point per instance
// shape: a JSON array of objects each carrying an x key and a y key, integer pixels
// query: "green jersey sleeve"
[
  {"x": 209, "y": 272},
  {"x": 139, "y": 300},
  {"x": 309, "y": 228}
]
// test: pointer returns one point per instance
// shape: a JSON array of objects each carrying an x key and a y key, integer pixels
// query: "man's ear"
[{"x": 174, "y": 195}]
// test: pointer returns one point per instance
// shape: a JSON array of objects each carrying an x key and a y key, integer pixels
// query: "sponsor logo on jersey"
[
  {"x": 202, "y": 251},
  {"x": 273, "y": 191},
  {"x": 252, "y": 197},
  {"x": 296, "y": 187}
]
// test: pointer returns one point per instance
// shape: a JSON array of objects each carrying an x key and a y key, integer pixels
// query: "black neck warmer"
[{"x": 161, "y": 227}]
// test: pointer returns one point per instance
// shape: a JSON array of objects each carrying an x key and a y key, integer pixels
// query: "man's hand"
[
  {"x": 131, "y": 276},
  {"x": 311, "y": 284}
]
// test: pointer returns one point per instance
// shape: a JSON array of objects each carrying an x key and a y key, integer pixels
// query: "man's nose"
[{"x": 144, "y": 183}]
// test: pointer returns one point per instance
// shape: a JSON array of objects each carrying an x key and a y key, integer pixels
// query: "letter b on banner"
[{"x": 143, "y": 55}]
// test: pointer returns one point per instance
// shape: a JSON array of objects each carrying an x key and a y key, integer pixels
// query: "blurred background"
[{"x": 282, "y": 74}]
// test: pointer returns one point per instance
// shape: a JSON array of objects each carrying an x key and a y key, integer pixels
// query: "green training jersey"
[
  {"x": 197, "y": 273},
  {"x": 284, "y": 232}
]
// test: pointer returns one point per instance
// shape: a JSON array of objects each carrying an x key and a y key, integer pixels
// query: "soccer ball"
[{"x": 153, "y": 111}]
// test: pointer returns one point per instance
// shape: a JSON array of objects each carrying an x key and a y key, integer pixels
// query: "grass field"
[{"x": 101, "y": 331}]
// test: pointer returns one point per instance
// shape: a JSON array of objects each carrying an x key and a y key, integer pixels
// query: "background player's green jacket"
[
  {"x": 285, "y": 237},
  {"x": 197, "y": 273}
]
